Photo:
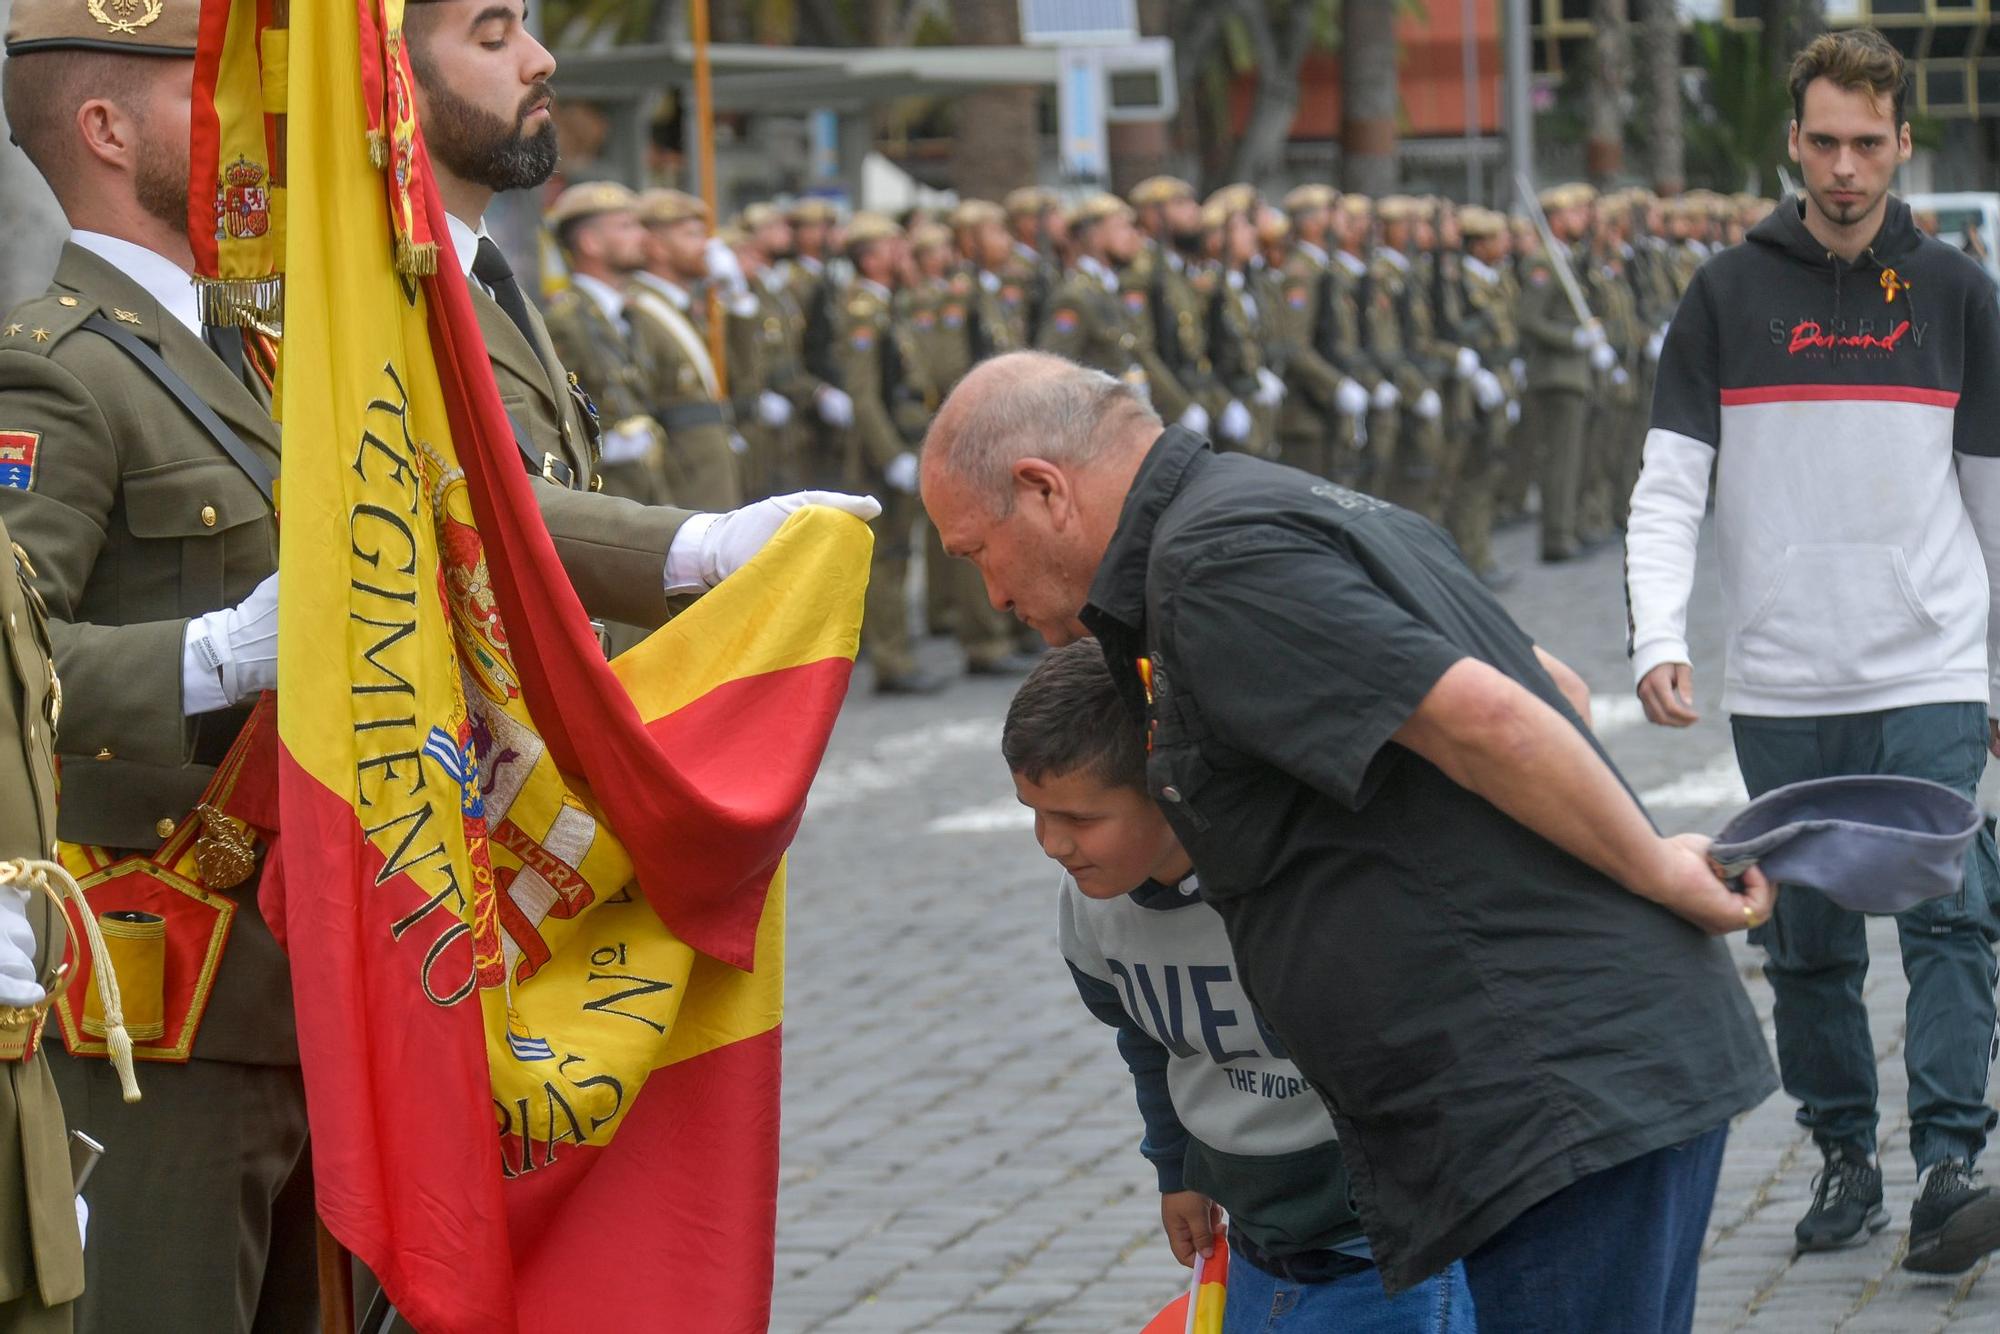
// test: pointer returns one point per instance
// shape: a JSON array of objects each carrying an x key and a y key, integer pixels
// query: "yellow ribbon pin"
[{"x": 1892, "y": 283}]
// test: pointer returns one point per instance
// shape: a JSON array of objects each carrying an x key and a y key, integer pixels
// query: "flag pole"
[
  {"x": 704, "y": 110},
  {"x": 336, "y": 1283}
]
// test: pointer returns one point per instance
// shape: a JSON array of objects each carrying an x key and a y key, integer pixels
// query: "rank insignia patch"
[
  {"x": 863, "y": 338},
  {"x": 1135, "y": 301},
  {"x": 17, "y": 458},
  {"x": 1064, "y": 320}
]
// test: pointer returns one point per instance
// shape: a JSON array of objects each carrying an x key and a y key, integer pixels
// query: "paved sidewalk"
[{"x": 960, "y": 1139}]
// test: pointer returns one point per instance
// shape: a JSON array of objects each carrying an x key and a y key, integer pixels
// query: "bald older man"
[{"x": 1439, "y": 891}]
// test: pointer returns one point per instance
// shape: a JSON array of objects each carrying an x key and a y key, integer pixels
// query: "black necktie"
[
  {"x": 490, "y": 267},
  {"x": 226, "y": 341}
]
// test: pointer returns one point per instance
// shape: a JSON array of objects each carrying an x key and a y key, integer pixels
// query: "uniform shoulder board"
[{"x": 38, "y": 324}]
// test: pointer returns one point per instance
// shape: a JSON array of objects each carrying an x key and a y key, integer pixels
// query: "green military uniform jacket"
[
  {"x": 999, "y": 316},
  {"x": 1342, "y": 334},
  {"x": 1299, "y": 292},
  {"x": 671, "y": 343},
  {"x": 613, "y": 368},
  {"x": 1088, "y": 323},
  {"x": 1548, "y": 326},
  {"x": 1395, "y": 339},
  {"x": 614, "y": 549},
  {"x": 1488, "y": 326},
  {"x": 41, "y": 1258},
  {"x": 881, "y": 370},
  {"x": 1175, "y": 324},
  {"x": 1606, "y": 286},
  {"x": 1237, "y": 336}
]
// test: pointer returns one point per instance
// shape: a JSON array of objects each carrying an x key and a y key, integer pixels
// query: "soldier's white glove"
[
  {"x": 737, "y": 444},
  {"x": 1428, "y": 405},
  {"x": 724, "y": 268},
  {"x": 625, "y": 444},
  {"x": 1235, "y": 423},
  {"x": 1655, "y": 344},
  {"x": 82, "y": 1222},
  {"x": 18, "y": 984},
  {"x": 1195, "y": 419},
  {"x": 773, "y": 409},
  {"x": 902, "y": 473},
  {"x": 1466, "y": 364},
  {"x": 1270, "y": 388},
  {"x": 1350, "y": 400},
  {"x": 1386, "y": 396},
  {"x": 231, "y": 656},
  {"x": 1586, "y": 336},
  {"x": 711, "y": 547},
  {"x": 1513, "y": 412},
  {"x": 1520, "y": 369},
  {"x": 1486, "y": 390},
  {"x": 836, "y": 409},
  {"x": 1620, "y": 377},
  {"x": 1602, "y": 357}
]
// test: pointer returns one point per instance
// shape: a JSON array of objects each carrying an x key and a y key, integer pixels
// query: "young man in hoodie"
[{"x": 1841, "y": 374}]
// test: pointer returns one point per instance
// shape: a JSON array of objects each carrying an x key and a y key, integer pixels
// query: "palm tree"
[
  {"x": 1610, "y": 85},
  {"x": 995, "y": 147},
  {"x": 1368, "y": 103},
  {"x": 1660, "y": 58}
]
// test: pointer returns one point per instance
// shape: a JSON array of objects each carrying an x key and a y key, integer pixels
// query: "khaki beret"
[
  {"x": 1358, "y": 205},
  {"x": 589, "y": 199},
  {"x": 1096, "y": 208},
  {"x": 1399, "y": 208},
  {"x": 1475, "y": 223},
  {"x": 1273, "y": 225},
  {"x": 1160, "y": 190},
  {"x": 975, "y": 211},
  {"x": 1573, "y": 195},
  {"x": 141, "y": 27},
  {"x": 758, "y": 215},
  {"x": 1236, "y": 198},
  {"x": 663, "y": 208},
  {"x": 1305, "y": 198},
  {"x": 866, "y": 227},
  {"x": 929, "y": 235},
  {"x": 1030, "y": 199},
  {"x": 1214, "y": 217},
  {"x": 732, "y": 235},
  {"x": 813, "y": 209}
]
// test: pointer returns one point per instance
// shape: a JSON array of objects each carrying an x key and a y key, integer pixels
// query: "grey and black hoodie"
[{"x": 1852, "y": 415}]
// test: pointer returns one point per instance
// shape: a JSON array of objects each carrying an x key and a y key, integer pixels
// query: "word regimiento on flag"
[{"x": 534, "y": 902}]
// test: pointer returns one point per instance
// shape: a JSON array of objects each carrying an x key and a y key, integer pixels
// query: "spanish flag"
[
  {"x": 1199, "y": 1309},
  {"x": 534, "y": 903}
]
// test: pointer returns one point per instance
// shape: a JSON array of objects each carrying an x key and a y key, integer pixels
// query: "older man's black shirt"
[{"x": 1488, "y": 1018}]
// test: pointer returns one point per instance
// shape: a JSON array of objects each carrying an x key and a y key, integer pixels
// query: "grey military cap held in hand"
[{"x": 1871, "y": 843}]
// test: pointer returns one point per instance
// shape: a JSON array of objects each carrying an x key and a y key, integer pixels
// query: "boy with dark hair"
[{"x": 1229, "y": 1120}]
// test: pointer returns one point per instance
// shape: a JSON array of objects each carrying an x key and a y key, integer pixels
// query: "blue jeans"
[
  {"x": 1617, "y": 1250},
  {"x": 1355, "y": 1304},
  {"x": 1817, "y": 953}
]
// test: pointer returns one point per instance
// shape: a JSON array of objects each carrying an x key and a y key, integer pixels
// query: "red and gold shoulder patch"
[
  {"x": 17, "y": 458},
  {"x": 1064, "y": 320}
]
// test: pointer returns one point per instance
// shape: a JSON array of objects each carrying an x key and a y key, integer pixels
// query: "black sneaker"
[
  {"x": 1847, "y": 1203},
  {"x": 1956, "y": 1220}
]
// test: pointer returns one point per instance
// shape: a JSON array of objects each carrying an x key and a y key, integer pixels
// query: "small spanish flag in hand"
[{"x": 1199, "y": 1309}]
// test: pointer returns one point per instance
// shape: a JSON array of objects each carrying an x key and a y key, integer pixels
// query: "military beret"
[
  {"x": 1573, "y": 195},
  {"x": 1237, "y": 198},
  {"x": 813, "y": 209},
  {"x": 663, "y": 208},
  {"x": 1030, "y": 199},
  {"x": 1476, "y": 223},
  {"x": 589, "y": 199},
  {"x": 1096, "y": 208},
  {"x": 138, "y": 27},
  {"x": 867, "y": 227},
  {"x": 975, "y": 211},
  {"x": 1273, "y": 224},
  {"x": 732, "y": 235},
  {"x": 1160, "y": 190},
  {"x": 1359, "y": 205},
  {"x": 758, "y": 215},
  {"x": 1305, "y": 198},
  {"x": 1399, "y": 208},
  {"x": 928, "y": 235}
]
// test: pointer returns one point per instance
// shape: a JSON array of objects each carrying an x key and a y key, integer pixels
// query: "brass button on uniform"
[
  {"x": 104, "y": 753},
  {"x": 208, "y": 516},
  {"x": 165, "y": 828},
  {"x": 65, "y": 301}
]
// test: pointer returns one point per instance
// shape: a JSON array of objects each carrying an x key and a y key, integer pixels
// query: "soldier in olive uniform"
[
  {"x": 1166, "y": 210},
  {"x": 1400, "y": 335},
  {"x": 1617, "y": 429},
  {"x": 1343, "y": 338},
  {"x": 821, "y": 411},
  {"x": 881, "y": 369},
  {"x": 1086, "y": 320},
  {"x": 1041, "y": 237},
  {"x": 668, "y": 309},
  {"x": 1000, "y": 304},
  {"x": 41, "y": 1260},
  {"x": 590, "y": 325},
  {"x": 1238, "y": 327},
  {"x": 1564, "y": 353},
  {"x": 1318, "y": 427},
  {"x": 1487, "y": 327}
]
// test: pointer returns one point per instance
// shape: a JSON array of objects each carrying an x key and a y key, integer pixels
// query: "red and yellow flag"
[
  {"x": 1199, "y": 1309},
  {"x": 534, "y": 902}
]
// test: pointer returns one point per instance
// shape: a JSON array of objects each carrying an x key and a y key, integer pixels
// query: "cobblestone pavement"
[{"x": 960, "y": 1140}]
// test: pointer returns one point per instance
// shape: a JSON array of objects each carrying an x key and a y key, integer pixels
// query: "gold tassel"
[
  {"x": 241, "y": 302},
  {"x": 378, "y": 149},
  {"x": 416, "y": 259},
  {"x": 51, "y": 879}
]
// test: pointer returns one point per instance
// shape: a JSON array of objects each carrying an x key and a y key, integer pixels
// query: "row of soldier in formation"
[{"x": 1438, "y": 356}]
